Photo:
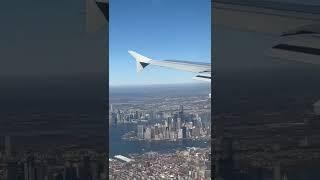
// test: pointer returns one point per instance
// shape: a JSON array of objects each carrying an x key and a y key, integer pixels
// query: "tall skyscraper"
[
  {"x": 157, "y": 130},
  {"x": 7, "y": 145},
  {"x": 152, "y": 132},
  {"x": 140, "y": 132},
  {"x": 147, "y": 134},
  {"x": 166, "y": 135},
  {"x": 178, "y": 123},
  {"x": 180, "y": 135},
  {"x": 181, "y": 108},
  {"x": 184, "y": 132},
  {"x": 166, "y": 124},
  {"x": 119, "y": 118},
  {"x": 180, "y": 114}
]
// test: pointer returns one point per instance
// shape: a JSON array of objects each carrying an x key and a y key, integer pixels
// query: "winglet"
[
  {"x": 142, "y": 61},
  {"x": 96, "y": 14}
]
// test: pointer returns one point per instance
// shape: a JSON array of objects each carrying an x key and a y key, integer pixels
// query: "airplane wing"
[
  {"x": 203, "y": 70},
  {"x": 297, "y": 26},
  {"x": 264, "y": 16},
  {"x": 97, "y": 14}
]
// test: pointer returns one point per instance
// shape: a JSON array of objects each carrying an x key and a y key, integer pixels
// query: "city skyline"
[{"x": 150, "y": 132}]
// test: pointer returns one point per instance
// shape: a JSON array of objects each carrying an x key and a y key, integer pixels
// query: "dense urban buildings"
[
  {"x": 61, "y": 163},
  {"x": 171, "y": 125},
  {"x": 159, "y": 126},
  {"x": 189, "y": 164}
]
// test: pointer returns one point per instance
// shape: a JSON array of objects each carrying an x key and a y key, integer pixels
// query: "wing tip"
[{"x": 141, "y": 61}]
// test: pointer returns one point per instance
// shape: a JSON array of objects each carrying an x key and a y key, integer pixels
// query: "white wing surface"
[
  {"x": 264, "y": 16},
  {"x": 296, "y": 25},
  {"x": 203, "y": 70}
]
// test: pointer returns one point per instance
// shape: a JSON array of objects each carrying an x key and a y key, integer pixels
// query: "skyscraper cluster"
[{"x": 174, "y": 127}]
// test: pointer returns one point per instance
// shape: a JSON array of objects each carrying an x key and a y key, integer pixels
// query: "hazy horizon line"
[{"x": 159, "y": 84}]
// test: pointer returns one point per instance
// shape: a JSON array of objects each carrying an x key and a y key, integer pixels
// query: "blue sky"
[{"x": 159, "y": 29}]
